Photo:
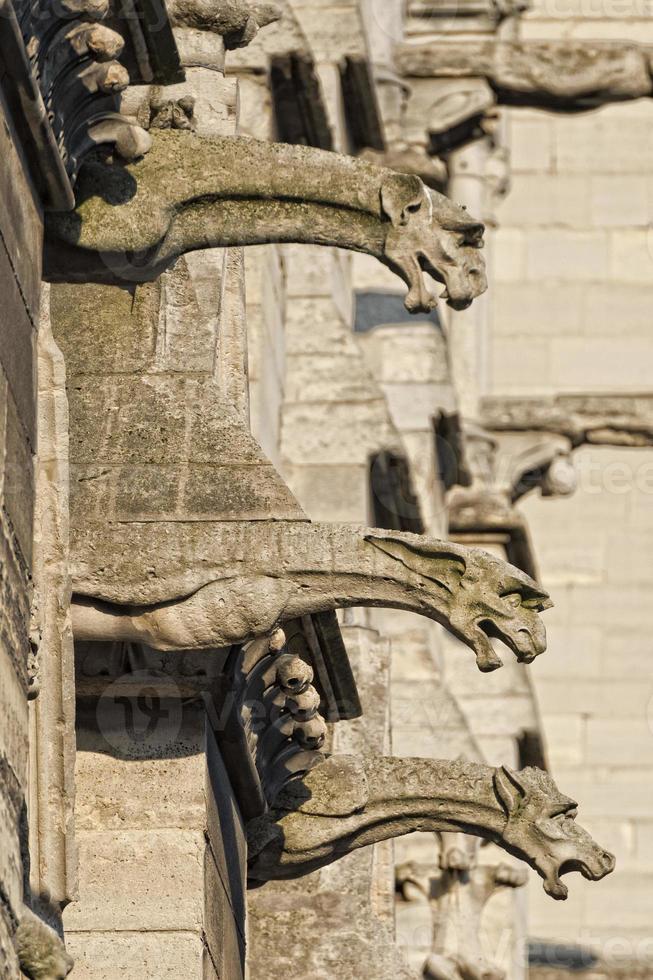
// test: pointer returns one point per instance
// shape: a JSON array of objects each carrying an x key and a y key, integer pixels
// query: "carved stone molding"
[
  {"x": 236, "y": 21},
  {"x": 458, "y": 892},
  {"x": 567, "y": 75},
  {"x": 191, "y": 192},
  {"x": 347, "y": 802},
  {"x": 601, "y": 420},
  {"x": 75, "y": 49}
]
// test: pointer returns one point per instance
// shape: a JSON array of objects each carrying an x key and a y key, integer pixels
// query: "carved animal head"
[
  {"x": 541, "y": 829},
  {"x": 429, "y": 233},
  {"x": 485, "y": 597}
]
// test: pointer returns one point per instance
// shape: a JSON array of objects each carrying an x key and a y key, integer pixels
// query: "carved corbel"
[
  {"x": 498, "y": 469},
  {"x": 236, "y": 21},
  {"x": 191, "y": 192},
  {"x": 568, "y": 75},
  {"x": 599, "y": 420},
  {"x": 74, "y": 60},
  {"x": 457, "y": 895},
  {"x": 346, "y": 803}
]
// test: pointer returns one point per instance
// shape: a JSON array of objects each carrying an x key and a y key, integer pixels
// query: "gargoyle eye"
[{"x": 513, "y": 599}]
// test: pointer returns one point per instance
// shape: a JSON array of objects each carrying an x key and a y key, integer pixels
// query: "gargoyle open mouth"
[
  {"x": 459, "y": 302},
  {"x": 523, "y": 644},
  {"x": 556, "y": 889}
]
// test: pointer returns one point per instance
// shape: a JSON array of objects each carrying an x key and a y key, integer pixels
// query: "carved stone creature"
[
  {"x": 41, "y": 953},
  {"x": 566, "y": 74},
  {"x": 205, "y": 584},
  {"x": 193, "y": 192},
  {"x": 238, "y": 21},
  {"x": 347, "y": 802},
  {"x": 458, "y": 896}
]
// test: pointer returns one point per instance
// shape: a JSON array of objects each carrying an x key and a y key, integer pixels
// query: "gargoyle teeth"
[{"x": 444, "y": 294}]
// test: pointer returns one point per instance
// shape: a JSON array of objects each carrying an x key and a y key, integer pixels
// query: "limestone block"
[
  {"x": 587, "y": 662},
  {"x": 160, "y": 786},
  {"x": 612, "y": 307},
  {"x": 173, "y": 955},
  {"x": 11, "y": 865},
  {"x": 346, "y": 441},
  {"x": 566, "y": 255},
  {"x": 599, "y": 142},
  {"x": 612, "y": 741},
  {"x": 548, "y": 199},
  {"x": 523, "y": 368},
  {"x": 509, "y": 255},
  {"x": 332, "y": 493},
  {"x": 20, "y": 220},
  {"x": 17, "y": 346},
  {"x": 13, "y": 703},
  {"x": 323, "y": 378},
  {"x": 610, "y": 791},
  {"x": 522, "y": 309},
  {"x": 327, "y": 333},
  {"x": 164, "y": 872},
  {"x": 18, "y": 491},
  {"x": 315, "y": 271},
  {"x": 606, "y": 364},
  {"x": 565, "y": 738},
  {"x": 631, "y": 255},
  {"x": 120, "y": 323},
  {"x": 620, "y": 201},
  {"x": 532, "y": 148},
  {"x": 407, "y": 354}
]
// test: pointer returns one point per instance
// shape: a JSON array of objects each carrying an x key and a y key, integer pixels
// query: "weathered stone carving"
[
  {"x": 74, "y": 60},
  {"x": 347, "y": 803},
  {"x": 191, "y": 192},
  {"x": 566, "y": 75},
  {"x": 41, "y": 953},
  {"x": 210, "y": 584},
  {"x": 601, "y": 420},
  {"x": 237, "y": 21},
  {"x": 458, "y": 895}
]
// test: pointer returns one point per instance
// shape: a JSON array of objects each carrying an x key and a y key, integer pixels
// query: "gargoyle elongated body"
[
  {"x": 348, "y": 802},
  {"x": 211, "y": 584},
  {"x": 192, "y": 192}
]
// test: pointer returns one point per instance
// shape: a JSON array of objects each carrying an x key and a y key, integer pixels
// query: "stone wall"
[
  {"x": 570, "y": 307},
  {"x": 20, "y": 262}
]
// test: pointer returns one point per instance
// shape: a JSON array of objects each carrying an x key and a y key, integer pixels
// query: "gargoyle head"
[
  {"x": 484, "y": 596},
  {"x": 429, "y": 233},
  {"x": 541, "y": 829},
  {"x": 496, "y": 599}
]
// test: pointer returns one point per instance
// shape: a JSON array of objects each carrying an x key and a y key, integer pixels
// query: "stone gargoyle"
[
  {"x": 349, "y": 802},
  {"x": 190, "y": 192},
  {"x": 41, "y": 952},
  {"x": 211, "y": 584}
]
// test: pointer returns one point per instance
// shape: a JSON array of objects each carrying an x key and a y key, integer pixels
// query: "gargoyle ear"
[
  {"x": 437, "y": 564},
  {"x": 509, "y": 790},
  {"x": 401, "y": 196}
]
